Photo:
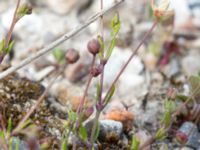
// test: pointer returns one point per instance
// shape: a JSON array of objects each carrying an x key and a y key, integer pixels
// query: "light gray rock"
[
  {"x": 134, "y": 86},
  {"x": 173, "y": 68},
  {"x": 62, "y": 7},
  {"x": 181, "y": 10},
  {"x": 184, "y": 148},
  {"x": 190, "y": 63},
  {"x": 194, "y": 6},
  {"x": 110, "y": 130}
]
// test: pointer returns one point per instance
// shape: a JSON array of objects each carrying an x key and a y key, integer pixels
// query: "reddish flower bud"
[
  {"x": 96, "y": 70},
  {"x": 72, "y": 56},
  {"x": 94, "y": 46}
]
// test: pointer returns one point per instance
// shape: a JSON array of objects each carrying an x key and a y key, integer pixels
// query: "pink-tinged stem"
[
  {"x": 131, "y": 57},
  {"x": 80, "y": 108}
]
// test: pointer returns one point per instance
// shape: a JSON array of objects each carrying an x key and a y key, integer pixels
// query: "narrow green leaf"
[
  {"x": 72, "y": 116},
  {"x": 9, "y": 128},
  {"x": 111, "y": 47},
  {"x": 166, "y": 118},
  {"x": 160, "y": 134},
  {"x": 65, "y": 137},
  {"x": 115, "y": 25},
  {"x": 101, "y": 41},
  {"x": 83, "y": 132},
  {"x": 10, "y": 144},
  {"x": 97, "y": 91},
  {"x": 17, "y": 144},
  {"x": 64, "y": 144},
  {"x": 26, "y": 123},
  {"x": 110, "y": 94},
  {"x": 150, "y": 11},
  {"x": 195, "y": 86},
  {"x": 135, "y": 144},
  {"x": 59, "y": 55},
  {"x": 97, "y": 131},
  {"x": 2, "y": 135},
  {"x": 2, "y": 46},
  {"x": 170, "y": 105},
  {"x": 9, "y": 47}
]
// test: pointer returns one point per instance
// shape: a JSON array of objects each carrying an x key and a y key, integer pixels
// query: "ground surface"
[{"x": 163, "y": 62}]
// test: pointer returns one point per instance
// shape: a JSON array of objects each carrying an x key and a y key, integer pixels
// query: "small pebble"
[
  {"x": 191, "y": 131},
  {"x": 110, "y": 130}
]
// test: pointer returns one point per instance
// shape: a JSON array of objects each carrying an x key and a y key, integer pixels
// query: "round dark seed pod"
[
  {"x": 72, "y": 56},
  {"x": 96, "y": 70},
  {"x": 94, "y": 46}
]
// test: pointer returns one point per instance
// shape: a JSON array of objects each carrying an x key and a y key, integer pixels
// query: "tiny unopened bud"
[
  {"x": 23, "y": 10},
  {"x": 72, "y": 56},
  {"x": 96, "y": 70},
  {"x": 162, "y": 9},
  {"x": 94, "y": 46}
]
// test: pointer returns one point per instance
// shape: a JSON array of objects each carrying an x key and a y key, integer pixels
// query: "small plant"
[
  {"x": 6, "y": 45},
  {"x": 100, "y": 56}
]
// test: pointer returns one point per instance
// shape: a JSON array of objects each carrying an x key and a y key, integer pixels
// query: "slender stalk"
[
  {"x": 14, "y": 21},
  {"x": 3, "y": 128},
  {"x": 80, "y": 108},
  {"x": 117, "y": 77},
  {"x": 131, "y": 57},
  {"x": 99, "y": 100},
  {"x": 62, "y": 39},
  {"x": 82, "y": 101},
  {"x": 94, "y": 127},
  {"x": 8, "y": 36}
]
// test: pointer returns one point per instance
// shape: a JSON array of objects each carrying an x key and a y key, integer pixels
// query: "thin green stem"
[
  {"x": 82, "y": 101},
  {"x": 99, "y": 99},
  {"x": 94, "y": 127}
]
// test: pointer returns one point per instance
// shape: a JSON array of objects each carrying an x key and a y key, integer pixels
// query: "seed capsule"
[
  {"x": 72, "y": 56},
  {"x": 96, "y": 70},
  {"x": 94, "y": 46}
]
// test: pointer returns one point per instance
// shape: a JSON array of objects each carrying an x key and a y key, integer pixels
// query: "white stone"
[{"x": 190, "y": 63}]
